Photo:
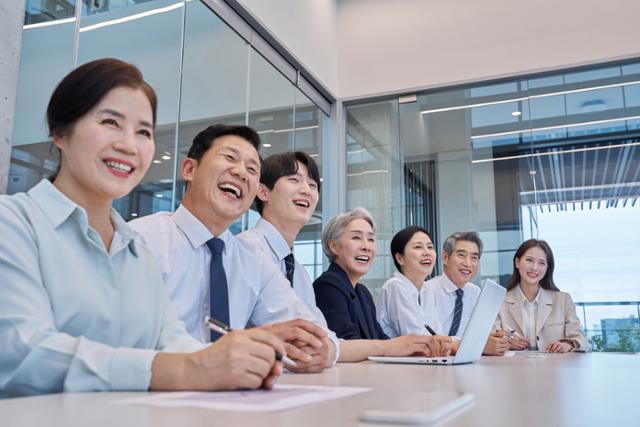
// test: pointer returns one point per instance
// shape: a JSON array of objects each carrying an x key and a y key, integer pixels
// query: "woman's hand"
[
  {"x": 242, "y": 359},
  {"x": 518, "y": 343},
  {"x": 421, "y": 345},
  {"x": 559, "y": 347}
]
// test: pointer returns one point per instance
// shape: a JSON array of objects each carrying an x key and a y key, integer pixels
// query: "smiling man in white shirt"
[
  {"x": 449, "y": 299},
  {"x": 208, "y": 271}
]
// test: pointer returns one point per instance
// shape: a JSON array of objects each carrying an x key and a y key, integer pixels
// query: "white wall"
[
  {"x": 389, "y": 46},
  {"x": 308, "y": 28}
]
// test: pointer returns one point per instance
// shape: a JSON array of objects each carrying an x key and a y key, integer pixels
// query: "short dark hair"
[
  {"x": 547, "y": 281},
  {"x": 401, "y": 239},
  {"x": 205, "y": 139},
  {"x": 276, "y": 166},
  {"x": 84, "y": 87}
]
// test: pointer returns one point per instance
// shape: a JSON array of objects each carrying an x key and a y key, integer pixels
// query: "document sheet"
[{"x": 281, "y": 398}]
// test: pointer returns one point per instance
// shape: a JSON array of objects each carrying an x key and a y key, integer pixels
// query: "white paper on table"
[
  {"x": 509, "y": 354},
  {"x": 282, "y": 397},
  {"x": 536, "y": 354}
]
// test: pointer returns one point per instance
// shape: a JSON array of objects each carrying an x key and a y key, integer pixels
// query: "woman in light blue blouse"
[{"x": 82, "y": 305}]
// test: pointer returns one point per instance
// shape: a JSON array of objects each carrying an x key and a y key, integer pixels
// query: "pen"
[
  {"x": 511, "y": 330},
  {"x": 431, "y": 331},
  {"x": 224, "y": 329}
]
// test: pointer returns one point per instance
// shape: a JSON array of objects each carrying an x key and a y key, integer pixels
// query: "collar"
[
  {"x": 336, "y": 269},
  {"x": 406, "y": 283},
  {"x": 125, "y": 235},
  {"x": 59, "y": 208},
  {"x": 197, "y": 233},
  {"x": 54, "y": 203},
  {"x": 274, "y": 239},
  {"x": 525, "y": 301},
  {"x": 448, "y": 285}
]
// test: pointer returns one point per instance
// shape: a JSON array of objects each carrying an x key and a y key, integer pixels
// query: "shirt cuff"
[
  {"x": 336, "y": 343},
  {"x": 131, "y": 369}
]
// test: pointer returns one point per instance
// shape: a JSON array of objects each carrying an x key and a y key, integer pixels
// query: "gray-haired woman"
[{"x": 349, "y": 242}]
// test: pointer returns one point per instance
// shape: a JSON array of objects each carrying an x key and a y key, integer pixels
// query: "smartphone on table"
[{"x": 423, "y": 408}]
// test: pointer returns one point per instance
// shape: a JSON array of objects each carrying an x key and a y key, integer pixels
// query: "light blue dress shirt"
[
  {"x": 258, "y": 292},
  {"x": 268, "y": 240},
  {"x": 74, "y": 317}
]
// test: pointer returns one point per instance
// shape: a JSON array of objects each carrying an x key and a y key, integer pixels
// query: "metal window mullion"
[
  {"x": 76, "y": 33},
  {"x": 176, "y": 140}
]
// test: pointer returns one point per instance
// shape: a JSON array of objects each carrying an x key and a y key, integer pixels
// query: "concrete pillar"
[{"x": 11, "y": 19}]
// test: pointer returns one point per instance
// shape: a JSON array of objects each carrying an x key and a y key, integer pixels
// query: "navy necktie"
[
  {"x": 219, "y": 294},
  {"x": 457, "y": 313},
  {"x": 290, "y": 265}
]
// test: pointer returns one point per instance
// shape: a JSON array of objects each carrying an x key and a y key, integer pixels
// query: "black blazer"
[{"x": 350, "y": 312}]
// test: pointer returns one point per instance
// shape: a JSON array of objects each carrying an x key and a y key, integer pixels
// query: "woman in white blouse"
[
  {"x": 535, "y": 313},
  {"x": 399, "y": 308}
]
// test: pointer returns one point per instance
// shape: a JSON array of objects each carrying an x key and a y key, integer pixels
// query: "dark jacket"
[{"x": 350, "y": 312}]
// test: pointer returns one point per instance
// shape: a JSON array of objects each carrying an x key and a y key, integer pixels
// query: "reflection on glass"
[
  {"x": 94, "y": 7},
  {"x": 271, "y": 101},
  {"x": 147, "y": 34},
  {"x": 555, "y": 157},
  {"x": 374, "y": 178},
  {"x": 308, "y": 138},
  {"x": 47, "y": 44},
  {"x": 214, "y": 80}
]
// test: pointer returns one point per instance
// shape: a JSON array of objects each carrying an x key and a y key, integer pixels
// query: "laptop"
[{"x": 474, "y": 337}]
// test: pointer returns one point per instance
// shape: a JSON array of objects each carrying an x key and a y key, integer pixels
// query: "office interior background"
[{"x": 491, "y": 116}]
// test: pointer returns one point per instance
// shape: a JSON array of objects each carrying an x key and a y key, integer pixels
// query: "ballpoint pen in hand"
[
  {"x": 512, "y": 332},
  {"x": 223, "y": 329},
  {"x": 431, "y": 331}
]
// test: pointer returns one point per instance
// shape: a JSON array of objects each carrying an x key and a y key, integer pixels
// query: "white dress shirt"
[
  {"x": 399, "y": 307},
  {"x": 529, "y": 311},
  {"x": 439, "y": 301},
  {"x": 268, "y": 240},
  {"x": 258, "y": 292}
]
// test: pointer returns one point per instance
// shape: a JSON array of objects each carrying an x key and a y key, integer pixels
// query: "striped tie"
[{"x": 457, "y": 313}]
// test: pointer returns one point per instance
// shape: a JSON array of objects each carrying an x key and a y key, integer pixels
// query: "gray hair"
[
  {"x": 336, "y": 226},
  {"x": 465, "y": 236}
]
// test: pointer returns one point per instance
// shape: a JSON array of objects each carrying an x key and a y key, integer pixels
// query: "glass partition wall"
[
  {"x": 204, "y": 72},
  {"x": 554, "y": 157}
]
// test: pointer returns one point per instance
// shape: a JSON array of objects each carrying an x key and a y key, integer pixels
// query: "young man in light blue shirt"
[
  {"x": 222, "y": 171},
  {"x": 287, "y": 197}
]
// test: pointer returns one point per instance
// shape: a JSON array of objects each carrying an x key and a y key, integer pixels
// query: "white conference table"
[{"x": 599, "y": 389}]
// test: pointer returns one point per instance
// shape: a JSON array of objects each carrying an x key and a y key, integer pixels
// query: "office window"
[
  {"x": 147, "y": 34},
  {"x": 554, "y": 157},
  {"x": 203, "y": 70},
  {"x": 47, "y": 44}
]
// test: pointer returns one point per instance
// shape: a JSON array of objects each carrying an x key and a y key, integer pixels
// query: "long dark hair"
[
  {"x": 83, "y": 88},
  {"x": 547, "y": 280}
]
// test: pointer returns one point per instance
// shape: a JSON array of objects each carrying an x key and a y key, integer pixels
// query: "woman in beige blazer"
[{"x": 535, "y": 313}]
